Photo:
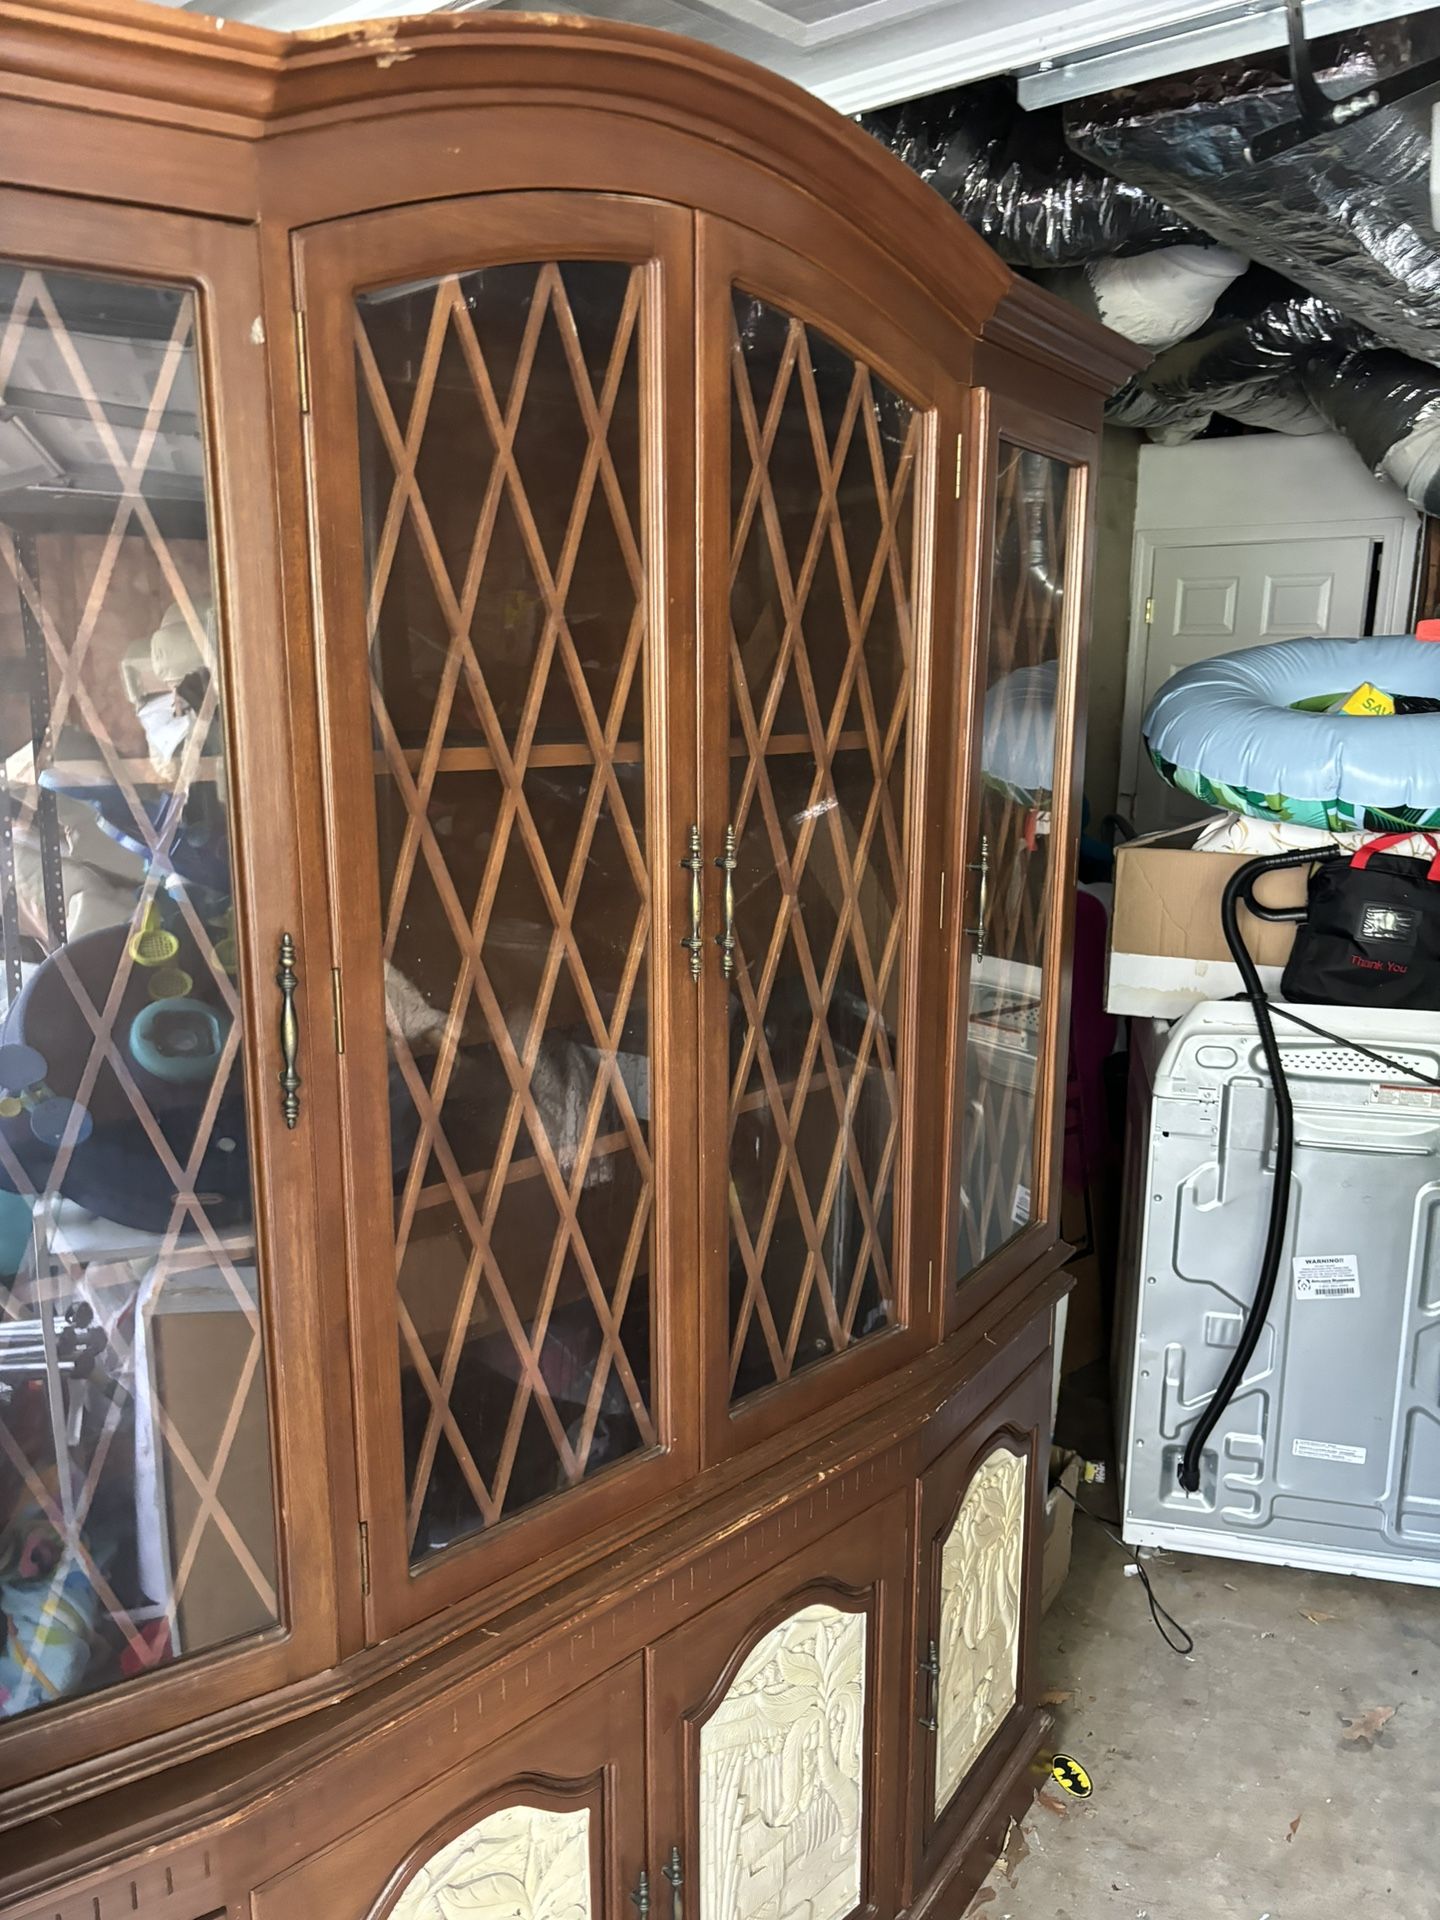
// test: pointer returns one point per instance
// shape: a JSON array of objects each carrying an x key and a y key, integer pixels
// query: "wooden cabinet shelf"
[
  {"x": 560, "y": 753},
  {"x": 439, "y": 1192}
]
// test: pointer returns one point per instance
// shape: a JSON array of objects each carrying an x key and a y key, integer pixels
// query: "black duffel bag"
[{"x": 1371, "y": 932}]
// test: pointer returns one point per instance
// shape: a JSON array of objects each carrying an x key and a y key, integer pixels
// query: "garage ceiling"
[{"x": 867, "y": 53}]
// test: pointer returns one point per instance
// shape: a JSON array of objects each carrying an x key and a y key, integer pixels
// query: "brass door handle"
[
  {"x": 982, "y": 867},
  {"x": 693, "y": 942},
  {"x": 673, "y": 1873},
  {"x": 640, "y": 1898},
  {"x": 725, "y": 939},
  {"x": 287, "y": 981}
]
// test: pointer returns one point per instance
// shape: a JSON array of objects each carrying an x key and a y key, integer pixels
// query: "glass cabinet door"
[
  {"x": 505, "y": 1024},
  {"x": 137, "y": 1521},
  {"x": 815, "y": 654},
  {"x": 1018, "y": 832}
]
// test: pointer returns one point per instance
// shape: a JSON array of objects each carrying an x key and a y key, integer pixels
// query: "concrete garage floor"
[{"x": 1226, "y": 1787}]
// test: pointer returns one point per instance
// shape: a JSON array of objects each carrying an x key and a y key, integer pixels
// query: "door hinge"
[
  {"x": 302, "y": 359},
  {"x": 1150, "y": 611},
  {"x": 364, "y": 1557},
  {"x": 959, "y": 462},
  {"x": 337, "y": 1007}
]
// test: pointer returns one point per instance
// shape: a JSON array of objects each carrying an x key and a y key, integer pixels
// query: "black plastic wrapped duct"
[
  {"x": 1346, "y": 214},
  {"x": 1246, "y": 369},
  {"x": 1011, "y": 176},
  {"x": 1389, "y": 406}
]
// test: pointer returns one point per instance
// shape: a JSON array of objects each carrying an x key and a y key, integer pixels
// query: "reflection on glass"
[
  {"x": 501, "y": 428},
  {"x": 823, "y": 463},
  {"x": 136, "y": 1516},
  {"x": 1013, "y": 843}
]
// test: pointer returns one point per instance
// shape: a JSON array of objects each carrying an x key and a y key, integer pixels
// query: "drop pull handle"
[
  {"x": 674, "y": 1873},
  {"x": 287, "y": 980},
  {"x": 694, "y": 942},
  {"x": 982, "y": 867},
  {"x": 725, "y": 939},
  {"x": 930, "y": 1673}
]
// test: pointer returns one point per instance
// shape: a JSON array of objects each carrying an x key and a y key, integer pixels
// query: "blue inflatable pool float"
[{"x": 1242, "y": 732}]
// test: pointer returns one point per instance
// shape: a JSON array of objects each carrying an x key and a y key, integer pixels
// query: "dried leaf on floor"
[
  {"x": 1017, "y": 1852},
  {"x": 983, "y": 1898},
  {"x": 1294, "y": 1828},
  {"x": 1055, "y": 1696},
  {"x": 1366, "y": 1728},
  {"x": 1052, "y": 1803},
  {"x": 1317, "y": 1619}
]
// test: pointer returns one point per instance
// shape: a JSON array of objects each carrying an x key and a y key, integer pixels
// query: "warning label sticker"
[
  {"x": 1020, "y": 1207},
  {"x": 1327, "y": 1276},
  {"x": 1387, "y": 1094},
  {"x": 1329, "y": 1450}
]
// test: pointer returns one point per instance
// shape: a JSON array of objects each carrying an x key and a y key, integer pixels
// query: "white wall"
[
  {"x": 1277, "y": 479},
  {"x": 1259, "y": 487}
]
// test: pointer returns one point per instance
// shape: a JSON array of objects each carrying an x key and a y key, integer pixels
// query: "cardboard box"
[
  {"x": 1167, "y": 947},
  {"x": 196, "y": 1346}
]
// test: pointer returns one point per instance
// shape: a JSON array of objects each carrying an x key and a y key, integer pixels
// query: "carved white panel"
[
  {"x": 518, "y": 1863},
  {"x": 781, "y": 1770},
  {"x": 979, "y": 1628}
]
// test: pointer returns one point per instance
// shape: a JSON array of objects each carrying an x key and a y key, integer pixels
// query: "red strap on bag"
[{"x": 1382, "y": 842}]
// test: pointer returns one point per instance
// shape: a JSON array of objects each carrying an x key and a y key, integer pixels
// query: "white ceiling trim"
[
  {"x": 874, "y": 52},
  {"x": 1228, "y": 33}
]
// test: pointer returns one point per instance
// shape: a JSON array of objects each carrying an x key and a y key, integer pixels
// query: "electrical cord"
[
  {"x": 1239, "y": 888},
  {"x": 1184, "y": 1642}
]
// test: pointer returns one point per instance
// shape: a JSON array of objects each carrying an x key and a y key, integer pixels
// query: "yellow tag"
[
  {"x": 1365, "y": 699},
  {"x": 10, "y": 1106},
  {"x": 1070, "y": 1775}
]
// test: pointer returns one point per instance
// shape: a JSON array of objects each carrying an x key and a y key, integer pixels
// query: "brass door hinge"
[
  {"x": 364, "y": 1557},
  {"x": 302, "y": 359},
  {"x": 959, "y": 462},
  {"x": 1150, "y": 611},
  {"x": 337, "y": 1008}
]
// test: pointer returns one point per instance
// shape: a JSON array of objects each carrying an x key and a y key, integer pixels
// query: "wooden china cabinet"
[{"x": 542, "y": 583}]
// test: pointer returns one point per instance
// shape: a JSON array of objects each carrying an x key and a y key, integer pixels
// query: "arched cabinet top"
[{"x": 216, "y": 117}]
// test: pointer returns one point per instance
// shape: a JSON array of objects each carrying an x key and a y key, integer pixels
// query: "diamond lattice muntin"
[
  {"x": 503, "y": 415},
  {"x": 136, "y": 1518},
  {"x": 824, "y": 462},
  {"x": 1017, "y": 774}
]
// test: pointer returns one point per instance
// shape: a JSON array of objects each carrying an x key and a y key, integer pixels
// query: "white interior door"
[{"x": 1206, "y": 600}]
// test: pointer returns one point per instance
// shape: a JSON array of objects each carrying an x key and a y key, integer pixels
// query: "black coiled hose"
[{"x": 1241, "y": 890}]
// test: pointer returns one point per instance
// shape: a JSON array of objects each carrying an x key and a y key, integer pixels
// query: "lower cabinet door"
[
  {"x": 977, "y": 1611},
  {"x": 547, "y": 1823},
  {"x": 777, "y": 1738}
]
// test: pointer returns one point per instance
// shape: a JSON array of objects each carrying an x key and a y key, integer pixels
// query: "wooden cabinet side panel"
[
  {"x": 1016, "y": 1426},
  {"x": 858, "y": 1570}
]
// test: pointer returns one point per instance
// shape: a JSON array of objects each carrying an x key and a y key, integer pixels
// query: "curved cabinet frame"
[{"x": 143, "y": 137}]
